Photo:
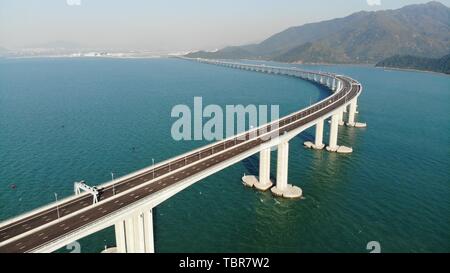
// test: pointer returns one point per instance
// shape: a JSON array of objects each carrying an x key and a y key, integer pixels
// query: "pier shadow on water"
[
  {"x": 251, "y": 165},
  {"x": 306, "y": 136}
]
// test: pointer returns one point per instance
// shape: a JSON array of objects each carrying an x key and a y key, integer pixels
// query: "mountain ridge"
[{"x": 362, "y": 37}]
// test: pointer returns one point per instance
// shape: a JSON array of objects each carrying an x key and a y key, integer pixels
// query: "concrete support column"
[
  {"x": 264, "y": 166},
  {"x": 119, "y": 229},
  {"x": 341, "y": 118},
  {"x": 319, "y": 135},
  {"x": 138, "y": 222},
  {"x": 282, "y": 165},
  {"x": 130, "y": 235},
  {"x": 135, "y": 234},
  {"x": 351, "y": 113},
  {"x": 332, "y": 146},
  {"x": 148, "y": 232},
  {"x": 283, "y": 189}
]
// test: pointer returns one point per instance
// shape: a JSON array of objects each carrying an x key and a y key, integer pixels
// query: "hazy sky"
[{"x": 166, "y": 25}]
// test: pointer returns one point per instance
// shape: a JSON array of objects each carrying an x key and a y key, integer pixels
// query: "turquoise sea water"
[{"x": 64, "y": 120}]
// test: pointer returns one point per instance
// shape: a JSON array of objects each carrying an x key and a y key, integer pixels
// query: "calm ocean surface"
[{"x": 65, "y": 120}]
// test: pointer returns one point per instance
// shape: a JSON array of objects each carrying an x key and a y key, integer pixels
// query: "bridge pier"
[
  {"x": 282, "y": 188},
  {"x": 119, "y": 229},
  {"x": 332, "y": 145},
  {"x": 264, "y": 182},
  {"x": 135, "y": 234},
  {"x": 351, "y": 116},
  {"x": 341, "y": 118},
  {"x": 338, "y": 84},
  {"x": 148, "y": 232},
  {"x": 318, "y": 143},
  {"x": 130, "y": 235},
  {"x": 333, "y": 85}
]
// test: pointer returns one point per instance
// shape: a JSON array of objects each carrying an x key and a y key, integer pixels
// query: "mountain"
[
  {"x": 363, "y": 37},
  {"x": 441, "y": 65}
]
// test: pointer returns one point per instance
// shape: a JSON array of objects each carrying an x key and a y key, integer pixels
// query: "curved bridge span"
[{"x": 127, "y": 202}]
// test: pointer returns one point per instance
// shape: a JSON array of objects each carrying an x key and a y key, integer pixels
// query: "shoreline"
[
  {"x": 169, "y": 56},
  {"x": 411, "y": 70}
]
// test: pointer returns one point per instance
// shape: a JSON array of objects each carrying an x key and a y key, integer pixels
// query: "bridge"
[{"x": 127, "y": 202}]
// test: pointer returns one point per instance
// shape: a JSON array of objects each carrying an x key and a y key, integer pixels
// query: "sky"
[{"x": 165, "y": 25}]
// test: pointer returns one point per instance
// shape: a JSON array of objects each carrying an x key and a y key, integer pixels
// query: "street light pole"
[
  {"x": 153, "y": 166},
  {"x": 57, "y": 207},
  {"x": 112, "y": 180}
]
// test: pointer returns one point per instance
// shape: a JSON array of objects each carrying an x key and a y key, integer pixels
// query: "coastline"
[
  {"x": 169, "y": 56},
  {"x": 410, "y": 70}
]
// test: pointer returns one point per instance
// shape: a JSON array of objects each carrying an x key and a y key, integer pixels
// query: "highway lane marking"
[{"x": 40, "y": 234}]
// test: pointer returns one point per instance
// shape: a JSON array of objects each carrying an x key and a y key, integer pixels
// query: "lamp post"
[
  {"x": 112, "y": 180},
  {"x": 57, "y": 206},
  {"x": 153, "y": 166}
]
